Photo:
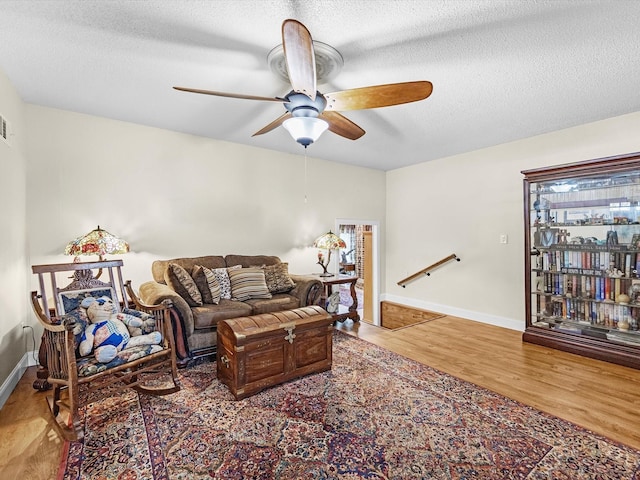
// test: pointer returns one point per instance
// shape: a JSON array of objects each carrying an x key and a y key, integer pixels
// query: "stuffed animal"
[
  {"x": 333, "y": 302},
  {"x": 107, "y": 334},
  {"x": 148, "y": 322}
]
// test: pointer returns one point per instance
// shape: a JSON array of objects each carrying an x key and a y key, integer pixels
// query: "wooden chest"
[{"x": 260, "y": 351}]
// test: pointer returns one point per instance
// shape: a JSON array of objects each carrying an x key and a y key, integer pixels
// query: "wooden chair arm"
[{"x": 53, "y": 324}]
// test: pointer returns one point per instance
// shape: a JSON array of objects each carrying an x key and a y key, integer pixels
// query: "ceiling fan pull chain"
[{"x": 305, "y": 175}]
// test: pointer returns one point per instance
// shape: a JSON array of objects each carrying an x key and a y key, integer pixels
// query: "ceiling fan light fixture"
[{"x": 305, "y": 130}]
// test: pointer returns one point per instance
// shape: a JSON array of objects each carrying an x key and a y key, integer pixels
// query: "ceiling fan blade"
[
  {"x": 378, "y": 96},
  {"x": 232, "y": 95},
  {"x": 341, "y": 125},
  {"x": 300, "y": 57},
  {"x": 275, "y": 124}
]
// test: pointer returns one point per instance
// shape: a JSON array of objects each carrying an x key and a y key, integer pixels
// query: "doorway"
[{"x": 361, "y": 258}]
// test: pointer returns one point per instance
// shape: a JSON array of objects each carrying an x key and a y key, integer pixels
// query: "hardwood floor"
[
  {"x": 29, "y": 445},
  {"x": 600, "y": 396}
]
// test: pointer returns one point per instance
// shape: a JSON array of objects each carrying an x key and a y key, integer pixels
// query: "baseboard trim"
[
  {"x": 509, "y": 323},
  {"x": 27, "y": 360}
]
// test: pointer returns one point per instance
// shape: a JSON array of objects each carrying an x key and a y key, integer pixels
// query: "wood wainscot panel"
[{"x": 395, "y": 315}]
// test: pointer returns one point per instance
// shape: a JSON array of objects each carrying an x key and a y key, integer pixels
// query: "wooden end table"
[{"x": 343, "y": 312}]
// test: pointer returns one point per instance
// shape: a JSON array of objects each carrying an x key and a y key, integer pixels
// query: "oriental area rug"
[{"x": 375, "y": 415}]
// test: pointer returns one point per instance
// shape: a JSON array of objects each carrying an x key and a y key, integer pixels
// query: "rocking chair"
[{"x": 149, "y": 369}]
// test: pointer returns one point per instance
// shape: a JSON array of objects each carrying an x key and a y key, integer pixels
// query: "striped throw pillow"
[
  {"x": 247, "y": 283},
  {"x": 222, "y": 276},
  {"x": 207, "y": 284}
]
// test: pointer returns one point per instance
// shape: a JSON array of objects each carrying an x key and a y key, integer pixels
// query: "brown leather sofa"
[{"x": 196, "y": 326}]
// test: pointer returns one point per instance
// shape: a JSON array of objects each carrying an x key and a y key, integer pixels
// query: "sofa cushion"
[
  {"x": 208, "y": 316},
  {"x": 248, "y": 283},
  {"x": 278, "y": 303},
  {"x": 181, "y": 282},
  {"x": 207, "y": 284},
  {"x": 277, "y": 278}
]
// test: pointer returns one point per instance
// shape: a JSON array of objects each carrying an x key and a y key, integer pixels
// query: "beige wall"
[
  {"x": 171, "y": 194},
  {"x": 462, "y": 205},
  {"x": 13, "y": 253}
]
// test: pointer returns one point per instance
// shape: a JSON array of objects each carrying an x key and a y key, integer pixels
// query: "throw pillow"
[
  {"x": 222, "y": 276},
  {"x": 207, "y": 284},
  {"x": 277, "y": 278},
  {"x": 248, "y": 283},
  {"x": 182, "y": 283}
]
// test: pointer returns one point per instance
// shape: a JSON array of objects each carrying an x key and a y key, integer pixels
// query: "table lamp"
[
  {"x": 96, "y": 242},
  {"x": 329, "y": 241}
]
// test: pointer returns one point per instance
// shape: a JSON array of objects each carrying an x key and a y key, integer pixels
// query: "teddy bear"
[{"x": 108, "y": 333}]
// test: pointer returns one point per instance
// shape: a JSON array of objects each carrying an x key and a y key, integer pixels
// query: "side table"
[{"x": 343, "y": 312}]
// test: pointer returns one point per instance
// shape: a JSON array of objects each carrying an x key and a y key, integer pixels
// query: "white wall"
[
  {"x": 462, "y": 205},
  {"x": 171, "y": 195},
  {"x": 13, "y": 253}
]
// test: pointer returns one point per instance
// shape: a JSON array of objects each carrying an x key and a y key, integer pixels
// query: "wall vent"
[{"x": 4, "y": 129}]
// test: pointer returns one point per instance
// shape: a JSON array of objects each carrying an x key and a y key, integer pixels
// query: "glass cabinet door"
[{"x": 583, "y": 267}]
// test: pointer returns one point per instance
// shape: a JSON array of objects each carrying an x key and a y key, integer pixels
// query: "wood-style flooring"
[{"x": 600, "y": 396}]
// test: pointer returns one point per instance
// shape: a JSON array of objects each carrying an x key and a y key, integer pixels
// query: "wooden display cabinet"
[{"x": 582, "y": 261}]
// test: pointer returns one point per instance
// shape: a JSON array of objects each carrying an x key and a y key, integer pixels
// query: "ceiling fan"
[{"x": 309, "y": 112}]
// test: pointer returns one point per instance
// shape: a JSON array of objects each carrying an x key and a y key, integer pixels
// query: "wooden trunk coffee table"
[{"x": 264, "y": 350}]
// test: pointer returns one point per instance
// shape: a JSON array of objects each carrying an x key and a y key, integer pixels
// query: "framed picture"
[
  {"x": 70, "y": 300},
  {"x": 635, "y": 241}
]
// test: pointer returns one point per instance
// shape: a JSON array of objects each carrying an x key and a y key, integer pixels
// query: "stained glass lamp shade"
[
  {"x": 96, "y": 242},
  {"x": 329, "y": 241}
]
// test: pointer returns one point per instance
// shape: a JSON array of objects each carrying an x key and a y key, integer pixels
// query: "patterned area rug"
[{"x": 375, "y": 415}]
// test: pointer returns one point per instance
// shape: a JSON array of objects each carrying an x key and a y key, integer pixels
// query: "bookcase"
[{"x": 582, "y": 258}]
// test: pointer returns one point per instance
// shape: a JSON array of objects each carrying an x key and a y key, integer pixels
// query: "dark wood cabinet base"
[{"x": 585, "y": 346}]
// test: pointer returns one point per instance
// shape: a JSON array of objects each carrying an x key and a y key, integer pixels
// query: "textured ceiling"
[{"x": 501, "y": 70}]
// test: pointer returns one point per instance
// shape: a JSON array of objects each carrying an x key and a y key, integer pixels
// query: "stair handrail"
[{"x": 426, "y": 271}]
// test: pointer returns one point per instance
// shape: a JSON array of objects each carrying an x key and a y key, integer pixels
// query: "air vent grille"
[{"x": 4, "y": 129}]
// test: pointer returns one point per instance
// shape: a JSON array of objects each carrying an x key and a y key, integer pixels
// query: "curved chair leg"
[
  {"x": 65, "y": 416},
  {"x": 156, "y": 388},
  {"x": 157, "y": 391}
]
